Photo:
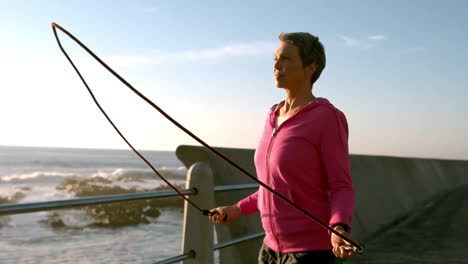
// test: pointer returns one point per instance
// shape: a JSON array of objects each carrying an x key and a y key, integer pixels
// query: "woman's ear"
[{"x": 311, "y": 68}]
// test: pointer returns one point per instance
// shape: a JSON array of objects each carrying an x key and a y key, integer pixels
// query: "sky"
[{"x": 397, "y": 69}]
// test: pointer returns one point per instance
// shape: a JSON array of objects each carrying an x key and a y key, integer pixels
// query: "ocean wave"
[
  {"x": 92, "y": 186},
  {"x": 126, "y": 175},
  {"x": 119, "y": 174},
  {"x": 14, "y": 195},
  {"x": 35, "y": 175},
  {"x": 101, "y": 186},
  {"x": 115, "y": 214},
  {"x": 69, "y": 218}
]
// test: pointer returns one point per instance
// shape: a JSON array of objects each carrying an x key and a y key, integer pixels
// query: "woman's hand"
[
  {"x": 340, "y": 245},
  {"x": 225, "y": 214}
]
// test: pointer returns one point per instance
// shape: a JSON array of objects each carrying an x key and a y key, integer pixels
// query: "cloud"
[
  {"x": 376, "y": 37},
  {"x": 228, "y": 51},
  {"x": 355, "y": 43},
  {"x": 366, "y": 43}
]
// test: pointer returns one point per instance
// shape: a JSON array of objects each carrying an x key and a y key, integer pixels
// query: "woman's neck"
[{"x": 295, "y": 100}]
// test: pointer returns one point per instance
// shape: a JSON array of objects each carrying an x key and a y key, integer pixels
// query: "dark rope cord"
[
  {"x": 115, "y": 127},
  {"x": 206, "y": 212}
]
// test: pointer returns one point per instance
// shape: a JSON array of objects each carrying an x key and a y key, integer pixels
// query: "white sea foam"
[
  {"x": 35, "y": 175},
  {"x": 110, "y": 174}
]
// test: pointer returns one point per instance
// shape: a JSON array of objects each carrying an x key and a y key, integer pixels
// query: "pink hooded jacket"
[{"x": 306, "y": 159}]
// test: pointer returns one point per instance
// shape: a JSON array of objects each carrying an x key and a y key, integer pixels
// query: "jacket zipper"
[
  {"x": 273, "y": 231},
  {"x": 273, "y": 136}
]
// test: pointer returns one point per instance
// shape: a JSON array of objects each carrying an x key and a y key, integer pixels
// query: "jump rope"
[{"x": 355, "y": 246}]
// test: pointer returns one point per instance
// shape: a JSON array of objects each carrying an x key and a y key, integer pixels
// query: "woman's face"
[{"x": 288, "y": 69}]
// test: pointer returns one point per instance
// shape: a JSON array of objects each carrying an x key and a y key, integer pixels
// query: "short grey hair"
[{"x": 311, "y": 50}]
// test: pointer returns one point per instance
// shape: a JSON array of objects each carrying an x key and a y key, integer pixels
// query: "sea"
[{"x": 140, "y": 233}]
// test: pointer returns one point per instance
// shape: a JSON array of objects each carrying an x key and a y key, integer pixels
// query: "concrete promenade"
[{"x": 437, "y": 233}]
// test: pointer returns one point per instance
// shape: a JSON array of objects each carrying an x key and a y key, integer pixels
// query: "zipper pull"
[{"x": 275, "y": 130}]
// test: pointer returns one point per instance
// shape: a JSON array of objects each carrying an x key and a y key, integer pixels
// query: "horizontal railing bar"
[
  {"x": 235, "y": 187},
  {"x": 94, "y": 200},
  {"x": 188, "y": 255},
  {"x": 237, "y": 240},
  {"x": 22, "y": 208}
]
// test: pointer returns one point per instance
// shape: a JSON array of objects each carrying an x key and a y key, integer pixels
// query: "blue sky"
[{"x": 397, "y": 69}]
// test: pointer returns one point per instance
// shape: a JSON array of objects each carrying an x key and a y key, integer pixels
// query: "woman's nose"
[{"x": 276, "y": 65}]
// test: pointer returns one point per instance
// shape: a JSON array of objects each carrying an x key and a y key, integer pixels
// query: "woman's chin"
[{"x": 279, "y": 84}]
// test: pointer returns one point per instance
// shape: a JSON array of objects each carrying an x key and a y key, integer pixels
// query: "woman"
[{"x": 303, "y": 154}]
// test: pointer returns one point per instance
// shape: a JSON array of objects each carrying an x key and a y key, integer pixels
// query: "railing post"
[{"x": 198, "y": 230}]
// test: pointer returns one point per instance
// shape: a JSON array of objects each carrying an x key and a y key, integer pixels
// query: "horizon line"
[{"x": 153, "y": 150}]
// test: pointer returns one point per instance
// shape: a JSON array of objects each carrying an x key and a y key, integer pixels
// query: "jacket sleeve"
[
  {"x": 248, "y": 205},
  {"x": 335, "y": 158}
]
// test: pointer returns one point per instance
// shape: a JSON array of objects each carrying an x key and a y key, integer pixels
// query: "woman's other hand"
[
  {"x": 225, "y": 214},
  {"x": 341, "y": 248}
]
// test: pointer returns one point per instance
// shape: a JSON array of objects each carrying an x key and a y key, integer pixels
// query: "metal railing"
[
  {"x": 22, "y": 208},
  {"x": 224, "y": 244},
  {"x": 237, "y": 240},
  {"x": 191, "y": 254},
  {"x": 235, "y": 187}
]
